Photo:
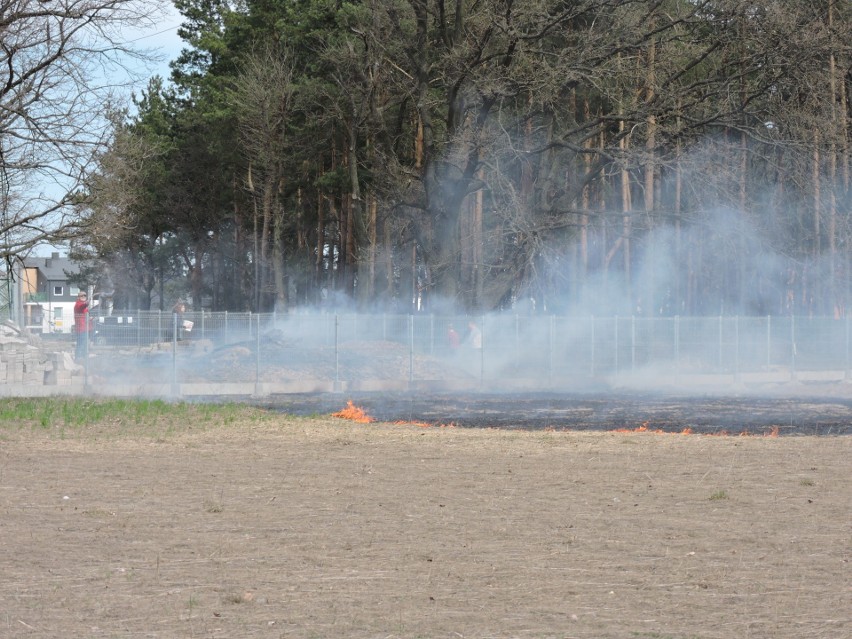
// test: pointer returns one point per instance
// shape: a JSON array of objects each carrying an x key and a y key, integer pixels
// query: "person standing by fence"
[
  {"x": 453, "y": 339},
  {"x": 181, "y": 325},
  {"x": 474, "y": 337},
  {"x": 81, "y": 324}
]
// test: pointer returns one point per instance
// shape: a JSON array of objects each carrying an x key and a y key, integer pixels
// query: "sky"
[{"x": 161, "y": 38}]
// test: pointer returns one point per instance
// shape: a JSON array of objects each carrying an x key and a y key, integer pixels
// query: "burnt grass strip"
[{"x": 601, "y": 412}]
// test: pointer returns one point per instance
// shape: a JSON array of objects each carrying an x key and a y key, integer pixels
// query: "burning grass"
[
  {"x": 645, "y": 428},
  {"x": 353, "y": 413},
  {"x": 298, "y": 527},
  {"x": 357, "y": 414}
]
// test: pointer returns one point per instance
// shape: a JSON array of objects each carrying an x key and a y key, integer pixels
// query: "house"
[{"x": 47, "y": 296}]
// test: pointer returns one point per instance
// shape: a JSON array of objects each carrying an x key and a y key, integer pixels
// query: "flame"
[
  {"x": 644, "y": 428},
  {"x": 641, "y": 429},
  {"x": 424, "y": 424},
  {"x": 353, "y": 413},
  {"x": 420, "y": 424},
  {"x": 356, "y": 414}
]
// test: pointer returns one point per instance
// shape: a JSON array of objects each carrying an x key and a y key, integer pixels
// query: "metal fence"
[{"x": 352, "y": 348}]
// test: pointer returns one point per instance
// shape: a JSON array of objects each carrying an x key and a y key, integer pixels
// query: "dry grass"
[{"x": 282, "y": 527}]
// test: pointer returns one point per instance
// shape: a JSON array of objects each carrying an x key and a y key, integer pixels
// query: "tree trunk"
[
  {"x": 817, "y": 194},
  {"x": 367, "y": 289},
  {"x": 651, "y": 123},
  {"x": 278, "y": 266},
  {"x": 478, "y": 274},
  {"x": 651, "y": 304},
  {"x": 626, "y": 207},
  {"x": 356, "y": 203},
  {"x": 678, "y": 190},
  {"x": 743, "y": 235},
  {"x": 268, "y": 199},
  {"x": 586, "y": 198},
  {"x": 832, "y": 175},
  {"x": 196, "y": 275},
  {"x": 320, "y": 248},
  {"x": 351, "y": 255},
  {"x": 388, "y": 249}
]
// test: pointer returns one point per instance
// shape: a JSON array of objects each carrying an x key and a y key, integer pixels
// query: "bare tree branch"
[{"x": 62, "y": 66}]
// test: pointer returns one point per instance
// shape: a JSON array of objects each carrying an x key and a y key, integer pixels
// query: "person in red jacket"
[{"x": 81, "y": 323}]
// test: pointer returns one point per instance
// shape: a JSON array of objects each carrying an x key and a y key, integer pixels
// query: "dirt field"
[{"x": 296, "y": 527}]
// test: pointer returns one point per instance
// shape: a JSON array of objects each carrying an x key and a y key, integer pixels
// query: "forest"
[{"x": 626, "y": 157}]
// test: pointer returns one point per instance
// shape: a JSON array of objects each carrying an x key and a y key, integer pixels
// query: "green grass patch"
[
  {"x": 718, "y": 495},
  {"x": 66, "y": 417}
]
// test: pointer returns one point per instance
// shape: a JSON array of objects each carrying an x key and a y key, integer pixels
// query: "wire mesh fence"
[{"x": 353, "y": 348}]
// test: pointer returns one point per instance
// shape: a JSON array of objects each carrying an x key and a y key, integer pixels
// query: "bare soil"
[{"x": 298, "y": 527}]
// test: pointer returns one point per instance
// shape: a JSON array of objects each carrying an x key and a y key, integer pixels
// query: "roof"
[{"x": 54, "y": 267}]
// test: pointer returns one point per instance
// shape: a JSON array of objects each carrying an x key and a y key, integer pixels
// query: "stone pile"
[{"x": 24, "y": 359}]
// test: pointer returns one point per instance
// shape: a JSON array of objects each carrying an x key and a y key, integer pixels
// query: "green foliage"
[
  {"x": 540, "y": 108},
  {"x": 87, "y": 417}
]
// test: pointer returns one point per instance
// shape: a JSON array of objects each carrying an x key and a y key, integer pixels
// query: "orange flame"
[
  {"x": 420, "y": 424},
  {"x": 424, "y": 424},
  {"x": 353, "y": 413},
  {"x": 644, "y": 428},
  {"x": 356, "y": 414},
  {"x": 641, "y": 429}
]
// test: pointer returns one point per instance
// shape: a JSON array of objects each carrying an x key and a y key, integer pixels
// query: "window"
[{"x": 57, "y": 291}]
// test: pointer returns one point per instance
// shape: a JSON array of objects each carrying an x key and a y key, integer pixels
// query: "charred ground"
[{"x": 600, "y": 412}]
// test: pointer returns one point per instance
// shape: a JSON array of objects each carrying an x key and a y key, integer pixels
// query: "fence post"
[
  {"x": 719, "y": 355},
  {"x": 410, "y": 350},
  {"x": 336, "y": 357},
  {"x": 174, "y": 353},
  {"x": 632, "y": 343},
  {"x": 792, "y": 347},
  {"x": 257, "y": 359},
  {"x": 736, "y": 348},
  {"x": 517, "y": 341},
  {"x": 592, "y": 346},
  {"x": 482, "y": 352},
  {"x": 768, "y": 343},
  {"x": 846, "y": 371},
  {"x": 550, "y": 353},
  {"x": 86, "y": 339},
  {"x": 615, "y": 344},
  {"x": 677, "y": 342}
]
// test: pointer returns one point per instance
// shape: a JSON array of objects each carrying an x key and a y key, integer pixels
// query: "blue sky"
[{"x": 162, "y": 38}]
